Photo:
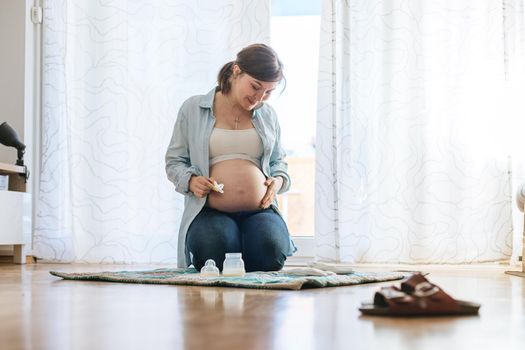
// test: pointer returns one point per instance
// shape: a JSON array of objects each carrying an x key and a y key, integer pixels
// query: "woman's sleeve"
[
  {"x": 178, "y": 163},
  {"x": 278, "y": 166}
]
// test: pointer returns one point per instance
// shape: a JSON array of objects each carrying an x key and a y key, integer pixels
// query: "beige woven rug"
[{"x": 257, "y": 280}]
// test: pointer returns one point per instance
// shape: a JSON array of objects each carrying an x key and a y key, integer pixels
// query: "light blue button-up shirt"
[{"x": 188, "y": 154}]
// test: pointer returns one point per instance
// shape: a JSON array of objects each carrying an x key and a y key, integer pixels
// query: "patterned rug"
[{"x": 257, "y": 280}]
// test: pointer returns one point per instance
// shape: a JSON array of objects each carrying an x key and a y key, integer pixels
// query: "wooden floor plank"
[{"x": 40, "y": 311}]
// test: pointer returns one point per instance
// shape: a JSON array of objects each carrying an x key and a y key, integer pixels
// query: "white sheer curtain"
[
  {"x": 419, "y": 104},
  {"x": 115, "y": 73}
]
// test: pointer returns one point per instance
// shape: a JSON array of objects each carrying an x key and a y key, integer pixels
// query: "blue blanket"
[{"x": 258, "y": 280}]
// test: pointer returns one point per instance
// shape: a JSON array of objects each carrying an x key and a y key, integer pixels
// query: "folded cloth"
[
  {"x": 306, "y": 271},
  {"x": 334, "y": 267},
  {"x": 520, "y": 197}
]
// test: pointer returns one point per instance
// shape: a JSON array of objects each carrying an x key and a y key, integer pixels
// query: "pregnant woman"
[{"x": 225, "y": 157}]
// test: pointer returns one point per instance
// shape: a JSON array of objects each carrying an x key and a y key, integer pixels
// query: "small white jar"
[{"x": 233, "y": 265}]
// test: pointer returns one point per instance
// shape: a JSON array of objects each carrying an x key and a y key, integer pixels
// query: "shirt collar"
[{"x": 206, "y": 101}]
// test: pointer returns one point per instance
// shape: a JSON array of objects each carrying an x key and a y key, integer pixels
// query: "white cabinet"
[{"x": 15, "y": 213}]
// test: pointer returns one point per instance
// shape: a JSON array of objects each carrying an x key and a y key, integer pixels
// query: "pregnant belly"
[{"x": 243, "y": 186}]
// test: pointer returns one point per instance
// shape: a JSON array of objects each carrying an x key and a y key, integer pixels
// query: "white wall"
[
  {"x": 12, "y": 70},
  {"x": 19, "y": 81}
]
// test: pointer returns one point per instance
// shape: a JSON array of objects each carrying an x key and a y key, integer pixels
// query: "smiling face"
[{"x": 249, "y": 92}]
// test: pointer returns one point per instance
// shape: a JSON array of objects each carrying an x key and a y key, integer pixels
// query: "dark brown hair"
[{"x": 257, "y": 60}]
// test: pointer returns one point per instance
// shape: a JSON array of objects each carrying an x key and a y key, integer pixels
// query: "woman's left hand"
[{"x": 273, "y": 185}]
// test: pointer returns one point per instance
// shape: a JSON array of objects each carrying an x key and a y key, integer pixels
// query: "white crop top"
[{"x": 228, "y": 144}]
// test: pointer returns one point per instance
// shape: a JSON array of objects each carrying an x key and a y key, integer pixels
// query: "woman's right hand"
[{"x": 200, "y": 186}]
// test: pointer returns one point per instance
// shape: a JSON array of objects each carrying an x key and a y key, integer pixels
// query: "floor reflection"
[
  {"x": 222, "y": 314},
  {"x": 231, "y": 301}
]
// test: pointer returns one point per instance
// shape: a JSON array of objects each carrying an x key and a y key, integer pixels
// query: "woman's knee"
[
  {"x": 265, "y": 260},
  {"x": 210, "y": 236},
  {"x": 266, "y": 241}
]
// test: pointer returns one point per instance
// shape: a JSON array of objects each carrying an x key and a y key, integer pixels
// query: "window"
[{"x": 295, "y": 28}]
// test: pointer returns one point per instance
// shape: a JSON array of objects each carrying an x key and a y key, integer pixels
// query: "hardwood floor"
[{"x": 40, "y": 311}]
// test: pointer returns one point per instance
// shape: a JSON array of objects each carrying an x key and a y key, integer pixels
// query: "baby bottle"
[
  {"x": 209, "y": 269},
  {"x": 233, "y": 265}
]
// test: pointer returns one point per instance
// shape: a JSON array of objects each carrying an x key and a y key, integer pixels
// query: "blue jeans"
[{"x": 261, "y": 236}]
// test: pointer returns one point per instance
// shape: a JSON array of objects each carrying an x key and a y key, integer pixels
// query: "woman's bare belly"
[{"x": 243, "y": 186}]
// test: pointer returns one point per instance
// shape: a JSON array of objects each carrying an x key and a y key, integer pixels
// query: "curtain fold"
[
  {"x": 114, "y": 76},
  {"x": 512, "y": 111},
  {"x": 418, "y": 109}
]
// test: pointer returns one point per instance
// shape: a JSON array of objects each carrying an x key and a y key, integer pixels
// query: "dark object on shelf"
[{"x": 9, "y": 137}]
